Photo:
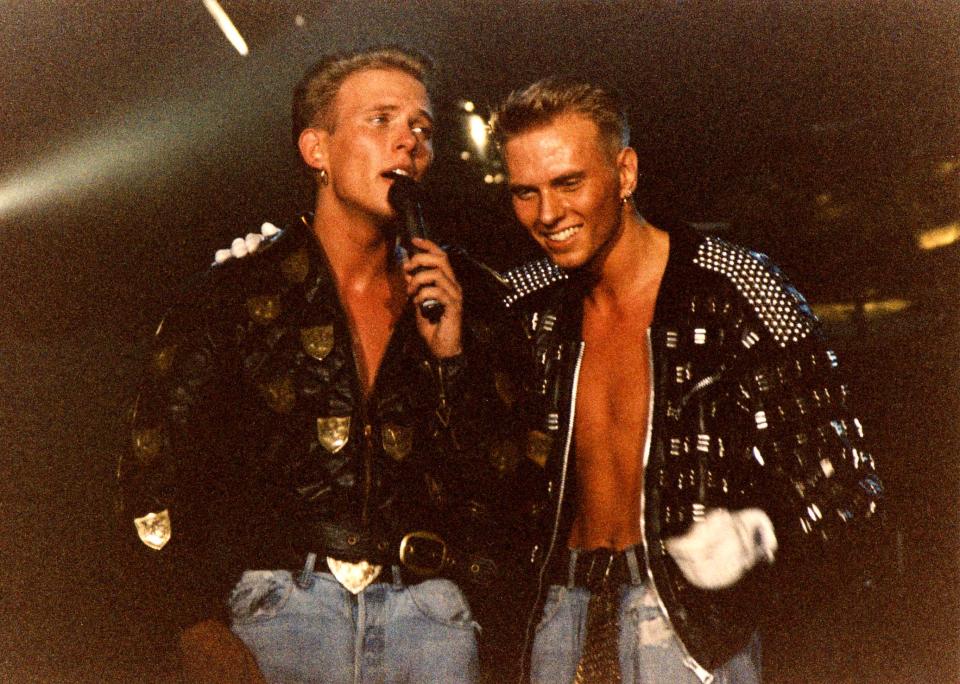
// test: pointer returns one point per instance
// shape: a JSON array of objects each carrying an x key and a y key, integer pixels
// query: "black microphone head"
[{"x": 403, "y": 192}]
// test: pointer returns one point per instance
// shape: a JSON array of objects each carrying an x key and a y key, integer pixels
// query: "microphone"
[{"x": 405, "y": 196}]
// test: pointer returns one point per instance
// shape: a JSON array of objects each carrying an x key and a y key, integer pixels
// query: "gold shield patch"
[
  {"x": 538, "y": 447},
  {"x": 504, "y": 456},
  {"x": 317, "y": 340},
  {"x": 296, "y": 266},
  {"x": 154, "y": 529},
  {"x": 279, "y": 394},
  {"x": 397, "y": 441},
  {"x": 264, "y": 308},
  {"x": 147, "y": 443},
  {"x": 333, "y": 432},
  {"x": 163, "y": 359}
]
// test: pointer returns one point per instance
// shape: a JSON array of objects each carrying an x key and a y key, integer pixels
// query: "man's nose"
[
  {"x": 407, "y": 139},
  {"x": 551, "y": 209}
]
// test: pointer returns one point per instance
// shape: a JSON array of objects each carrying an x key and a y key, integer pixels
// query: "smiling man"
[
  {"x": 302, "y": 422},
  {"x": 688, "y": 418}
]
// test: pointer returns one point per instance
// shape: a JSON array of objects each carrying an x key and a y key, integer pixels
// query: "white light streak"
[{"x": 229, "y": 30}]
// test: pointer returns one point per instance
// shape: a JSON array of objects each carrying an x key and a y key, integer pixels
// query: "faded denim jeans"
[
  {"x": 305, "y": 627},
  {"x": 650, "y": 652}
]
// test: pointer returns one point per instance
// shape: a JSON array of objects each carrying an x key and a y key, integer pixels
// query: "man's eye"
[
  {"x": 379, "y": 119},
  {"x": 522, "y": 193},
  {"x": 570, "y": 184},
  {"x": 423, "y": 132}
]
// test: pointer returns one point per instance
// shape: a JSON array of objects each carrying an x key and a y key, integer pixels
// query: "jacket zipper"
[
  {"x": 688, "y": 661},
  {"x": 568, "y": 441}
]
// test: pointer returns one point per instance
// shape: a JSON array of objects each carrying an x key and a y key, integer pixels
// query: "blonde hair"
[
  {"x": 315, "y": 93},
  {"x": 544, "y": 101}
]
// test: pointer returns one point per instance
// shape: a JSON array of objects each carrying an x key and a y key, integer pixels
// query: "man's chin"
[{"x": 568, "y": 261}]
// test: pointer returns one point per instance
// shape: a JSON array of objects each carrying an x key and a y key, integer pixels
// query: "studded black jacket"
[
  {"x": 748, "y": 410},
  {"x": 252, "y": 443}
]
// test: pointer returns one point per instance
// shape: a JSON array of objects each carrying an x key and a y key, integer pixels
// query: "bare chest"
[
  {"x": 613, "y": 394},
  {"x": 610, "y": 428},
  {"x": 372, "y": 318}
]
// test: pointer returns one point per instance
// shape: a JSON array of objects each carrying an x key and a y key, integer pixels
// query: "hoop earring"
[{"x": 324, "y": 178}]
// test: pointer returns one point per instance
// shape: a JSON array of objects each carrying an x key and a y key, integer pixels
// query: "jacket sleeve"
[
  {"x": 801, "y": 429},
  {"x": 478, "y": 407},
  {"x": 174, "y": 478}
]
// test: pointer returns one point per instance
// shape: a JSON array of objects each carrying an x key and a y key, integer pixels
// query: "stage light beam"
[{"x": 229, "y": 30}]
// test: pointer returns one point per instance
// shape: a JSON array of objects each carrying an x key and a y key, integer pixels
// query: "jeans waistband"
[{"x": 598, "y": 568}]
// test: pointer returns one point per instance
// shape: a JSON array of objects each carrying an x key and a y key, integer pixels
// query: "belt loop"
[
  {"x": 572, "y": 568},
  {"x": 397, "y": 578},
  {"x": 631, "y": 553},
  {"x": 305, "y": 580}
]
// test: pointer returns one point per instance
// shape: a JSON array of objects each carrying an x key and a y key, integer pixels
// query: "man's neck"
[
  {"x": 633, "y": 264},
  {"x": 358, "y": 249}
]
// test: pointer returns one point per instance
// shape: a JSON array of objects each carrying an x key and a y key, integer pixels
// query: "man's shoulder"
[
  {"x": 264, "y": 267},
  {"x": 753, "y": 278},
  {"x": 530, "y": 280}
]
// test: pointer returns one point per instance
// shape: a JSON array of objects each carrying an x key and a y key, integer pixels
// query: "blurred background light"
[
  {"x": 935, "y": 238},
  {"x": 844, "y": 312},
  {"x": 478, "y": 132}
]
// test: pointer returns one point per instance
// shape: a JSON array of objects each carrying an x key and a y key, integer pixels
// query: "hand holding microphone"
[
  {"x": 431, "y": 281},
  {"x": 405, "y": 197}
]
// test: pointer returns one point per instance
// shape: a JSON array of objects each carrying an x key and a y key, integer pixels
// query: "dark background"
[{"x": 134, "y": 141}]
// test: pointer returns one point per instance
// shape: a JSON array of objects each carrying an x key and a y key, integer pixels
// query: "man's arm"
[
  {"x": 793, "y": 427},
  {"x": 172, "y": 482}
]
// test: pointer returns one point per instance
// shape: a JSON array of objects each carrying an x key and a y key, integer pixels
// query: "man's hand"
[
  {"x": 435, "y": 281},
  {"x": 210, "y": 653},
  {"x": 721, "y": 548}
]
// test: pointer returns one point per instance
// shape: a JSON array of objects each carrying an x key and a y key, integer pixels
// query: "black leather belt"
[
  {"x": 419, "y": 554},
  {"x": 597, "y": 568}
]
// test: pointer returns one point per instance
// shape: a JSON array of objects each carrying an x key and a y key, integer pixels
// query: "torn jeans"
[{"x": 650, "y": 652}]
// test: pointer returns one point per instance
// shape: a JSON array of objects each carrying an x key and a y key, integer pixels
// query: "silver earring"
[{"x": 324, "y": 178}]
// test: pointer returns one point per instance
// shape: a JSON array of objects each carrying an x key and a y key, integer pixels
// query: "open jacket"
[
  {"x": 748, "y": 409},
  {"x": 252, "y": 443}
]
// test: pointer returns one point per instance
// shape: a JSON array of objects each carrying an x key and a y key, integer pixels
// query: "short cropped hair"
[
  {"x": 544, "y": 101},
  {"x": 314, "y": 95}
]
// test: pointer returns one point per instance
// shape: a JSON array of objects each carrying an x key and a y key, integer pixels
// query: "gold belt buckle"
[{"x": 420, "y": 546}]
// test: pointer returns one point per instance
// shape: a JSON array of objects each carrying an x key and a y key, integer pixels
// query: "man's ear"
[
  {"x": 313, "y": 147},
  {"x": 627, "y": 170}
]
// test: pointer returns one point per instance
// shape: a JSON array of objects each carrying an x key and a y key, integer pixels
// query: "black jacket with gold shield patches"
[{"x": 252, "y": 443}]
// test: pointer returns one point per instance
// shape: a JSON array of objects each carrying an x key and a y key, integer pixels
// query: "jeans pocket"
[
  {"x": 260, "y": 595},
  {"x": 442, "y": 601}
]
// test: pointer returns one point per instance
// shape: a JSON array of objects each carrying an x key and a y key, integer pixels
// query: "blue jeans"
[
  {"x": 650, "y": 652},
  {"x": 305, "y": 627}
]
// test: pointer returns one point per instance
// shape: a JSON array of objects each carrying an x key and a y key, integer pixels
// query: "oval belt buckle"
[{"x": 418, "y": 549}]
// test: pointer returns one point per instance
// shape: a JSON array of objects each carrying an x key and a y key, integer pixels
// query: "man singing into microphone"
[{"x": 300, "y": 436}]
